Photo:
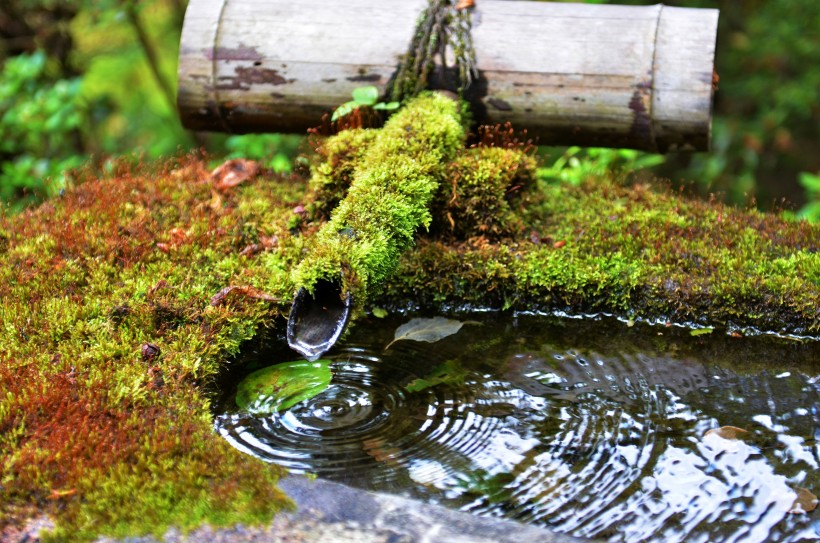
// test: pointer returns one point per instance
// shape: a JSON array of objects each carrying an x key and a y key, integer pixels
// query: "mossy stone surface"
[{"x": 109, "y": 344}]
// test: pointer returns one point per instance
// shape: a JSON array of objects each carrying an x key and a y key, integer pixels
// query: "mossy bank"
[{"x": 121, "y": 301}]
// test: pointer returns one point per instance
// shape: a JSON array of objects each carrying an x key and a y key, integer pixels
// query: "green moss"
[
  {"x": 109, "y": 437},
  {"x": 477, "y": 191},
  {"x": 636, "y": 252},
  {"x": 338, "y": 158},
  {"x": 95, "y": 433},
  {"x": 387, "y": 201}
]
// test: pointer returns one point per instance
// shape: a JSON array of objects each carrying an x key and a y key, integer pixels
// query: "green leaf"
[
  {"x": 343, "y": 110},
  {"x": 366, "y": 96},
  {"x": 810, "y": 181},
  {"x": 387, "y": 106},
  {"x": 379, "y": 313},
  {"x": 429, "y": 330},
  {"x": 282, "y": 386}
]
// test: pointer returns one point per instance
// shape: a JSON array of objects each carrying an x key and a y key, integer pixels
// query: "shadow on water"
[{"x": 587, "y": 427}]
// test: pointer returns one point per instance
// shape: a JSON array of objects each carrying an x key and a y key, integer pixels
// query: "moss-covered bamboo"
[{"x": 388, "y": 198}]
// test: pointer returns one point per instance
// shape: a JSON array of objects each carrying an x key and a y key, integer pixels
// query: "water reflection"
[{"x": 593, "y": 430}]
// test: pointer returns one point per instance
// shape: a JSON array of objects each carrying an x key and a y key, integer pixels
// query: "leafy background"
[{"x": 85, "y": 83}]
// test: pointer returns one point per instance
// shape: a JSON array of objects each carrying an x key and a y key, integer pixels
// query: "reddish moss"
[
  {"x": 94, "y": 434},
  {"x": 478, "y": 193}
]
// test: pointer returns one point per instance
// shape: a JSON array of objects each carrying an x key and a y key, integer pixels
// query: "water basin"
[{"x": 590, "y": 428}]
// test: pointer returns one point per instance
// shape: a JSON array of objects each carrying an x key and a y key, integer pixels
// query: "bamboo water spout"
[
  {"x": 317, "y": 319},
  {"x": 386, "y": 203}
]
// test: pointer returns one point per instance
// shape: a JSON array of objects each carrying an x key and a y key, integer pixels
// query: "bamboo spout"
[{"x": 317, "y": 320}]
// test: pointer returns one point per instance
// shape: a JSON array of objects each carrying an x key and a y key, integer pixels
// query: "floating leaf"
[
  {"x": 381, "y": 451},
  {"x": 805, "y": 501},
  {"x": 701, "y": 331},
  {"x": 450, "y": 372},
  {"x": 379, "y": 313},
  {"x": 429, "y": 330},
  {"x": 282, "y": 386},
  {"x": 728, "y": 432}
]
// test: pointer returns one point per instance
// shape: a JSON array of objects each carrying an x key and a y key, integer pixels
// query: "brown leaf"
[
  {"x": 805, "y": 501},
  {"x": 243, "y": 291},
  {"x": 70, "y": 376},
  {"x": 161, "y": 284},
  {"x": 233, "y": 172},
  {"x": 251, "y": 249},
  {"x": 269, "y": 242},
  {"x": 265, "y": 243},
  {"x": 465, "y": 4},
  {"x": 178, "y": 235},
  {"x": 728, "y": 432},
  {"x": 380, "y": 451}
]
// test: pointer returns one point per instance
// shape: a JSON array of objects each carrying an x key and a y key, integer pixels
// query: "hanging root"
[{"x": 443, "y": 27}]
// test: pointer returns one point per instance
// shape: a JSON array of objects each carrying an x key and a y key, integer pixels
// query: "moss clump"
[
  {"x": 387, "y": 202},
  {"x": 110, "y": 340},
  {"x": 635, "y": 252},
  {"x": 338, "y": 158},
  {"x": 478, "y": 188}
]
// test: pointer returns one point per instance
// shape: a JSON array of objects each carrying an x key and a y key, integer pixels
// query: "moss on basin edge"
[
  {"x": 121, "y": 302},
  {"x": 633, "y": 251},
  {"x": 114, "y": 326}
]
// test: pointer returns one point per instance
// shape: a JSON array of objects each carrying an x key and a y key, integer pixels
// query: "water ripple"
[{"x": 599, "y": 438}]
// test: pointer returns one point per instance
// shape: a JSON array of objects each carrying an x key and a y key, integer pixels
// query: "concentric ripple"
[
  {"x": 590, "y": 432},
  {"x": 368, "y": 426}
]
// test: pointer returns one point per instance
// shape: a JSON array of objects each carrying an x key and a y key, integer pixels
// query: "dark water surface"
[{"x": 587, "y": 427}]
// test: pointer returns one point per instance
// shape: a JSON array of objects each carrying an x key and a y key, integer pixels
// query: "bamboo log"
[{"x": 571, "y": 74}]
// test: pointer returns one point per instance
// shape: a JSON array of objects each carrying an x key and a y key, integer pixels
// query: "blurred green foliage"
[
  {"x": 577, "y": 164},
  {"x": 275, "y": 151},
  {"x": 767, "y": 113},
  {"x": 811, "y": 182},
  {"x": 41, "y": 121},
  {"x": 85, "y": 80}
]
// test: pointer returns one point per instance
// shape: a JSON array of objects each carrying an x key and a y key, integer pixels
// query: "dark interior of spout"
[{"x": 317, "y": 320}]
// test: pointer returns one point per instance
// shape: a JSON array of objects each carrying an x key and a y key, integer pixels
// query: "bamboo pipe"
[{"x": 571, "y": 74}]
